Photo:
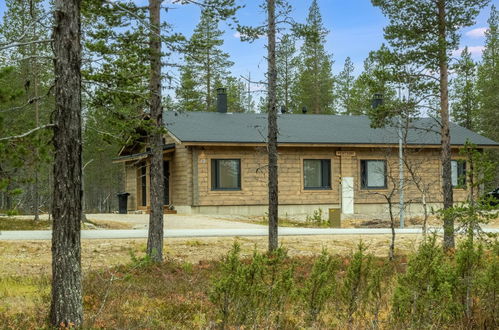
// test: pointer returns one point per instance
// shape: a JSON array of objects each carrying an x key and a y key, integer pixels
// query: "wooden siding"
[{"x": 190, "y": 175}]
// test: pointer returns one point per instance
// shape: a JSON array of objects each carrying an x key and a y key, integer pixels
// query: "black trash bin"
[{"x": 123, "y": 202}]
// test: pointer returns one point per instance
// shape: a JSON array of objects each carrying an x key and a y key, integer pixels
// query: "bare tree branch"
[
  {"x": 18, "y": 44},
  {"x": 16, "y": 137}
]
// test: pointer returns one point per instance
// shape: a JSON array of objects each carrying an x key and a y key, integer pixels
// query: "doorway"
[{"x": 166, "y": 182}]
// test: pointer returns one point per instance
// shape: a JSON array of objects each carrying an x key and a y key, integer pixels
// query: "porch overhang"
[{"x": 167, "y": 148}]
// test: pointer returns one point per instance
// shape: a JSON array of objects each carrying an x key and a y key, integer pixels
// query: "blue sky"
[{"x": 356, "y": 27}]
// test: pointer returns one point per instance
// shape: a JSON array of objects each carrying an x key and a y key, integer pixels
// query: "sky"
[{"x": 356, "y": 28}]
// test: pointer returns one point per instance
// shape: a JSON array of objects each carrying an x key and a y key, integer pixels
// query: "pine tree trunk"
[
  {"x": 272, "y": 128},
  {"x": 155, "y": 237},
  {"x": 445, "y": 132},
  {"x": 66, "y": 307}
]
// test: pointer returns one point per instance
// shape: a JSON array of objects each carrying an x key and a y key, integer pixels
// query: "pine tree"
[
  {"x": 209, "y": 63},
  {"x": 66, "y": 308},
  {"x": 488, "y": 87},
  {"x": 189, "y": 98},
  {"x": 375, "y": 79},
  {"x": 423, "y": 34},
  {"x": 344, "y": 88},
  {"x": 237, "y": 96},
  {"x": 28, "y": 22},
  {"x": 314, "y": 85},
  {"x": 488, "y": 79},
  {"x": 155, "y": 137},
  {"x": 287, "y": 64},
  {"x": 464, "y": 98}
]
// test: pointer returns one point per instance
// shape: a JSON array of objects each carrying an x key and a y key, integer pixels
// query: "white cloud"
[
  {"x": 476, "y": 33},
  {"x": 474, "y": 50},
  {"x": 237, "y": 35}
]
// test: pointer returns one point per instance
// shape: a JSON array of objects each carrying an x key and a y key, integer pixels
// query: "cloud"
[
  {"x": 237, "y": 35},
  {"x": 474, "y": 50},
  {"x": 476, "y": 33}
]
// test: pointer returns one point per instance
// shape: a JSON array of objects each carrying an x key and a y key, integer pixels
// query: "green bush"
[
  {"x": 317, "y": 218},
  {"x": 424, "y": 295},
  {"x": 253, "y": 292},
  {"x": 487, "y": 286},
  {"x": 320, "y": 285},
  {"x": 355, "y": 289}
]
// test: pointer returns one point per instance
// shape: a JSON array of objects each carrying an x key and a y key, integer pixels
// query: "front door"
[{"x": 166, "y": 182}]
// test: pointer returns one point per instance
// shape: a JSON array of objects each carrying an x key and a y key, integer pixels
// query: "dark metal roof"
[{"x": 306, "y": 128}]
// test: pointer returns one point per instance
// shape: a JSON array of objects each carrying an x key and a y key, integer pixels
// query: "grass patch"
[{"x": 11, "y": 223}]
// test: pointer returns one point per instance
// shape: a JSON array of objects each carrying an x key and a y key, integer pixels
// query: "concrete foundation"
[{"x": 300, "y": 212}]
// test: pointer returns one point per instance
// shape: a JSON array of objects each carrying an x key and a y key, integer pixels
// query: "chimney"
[
  {"x": 221, "y": 100},
  {"x": 304, "y": 110},
  {"x": 377, "y": 100},
  {"x": 283, "y": 109}
]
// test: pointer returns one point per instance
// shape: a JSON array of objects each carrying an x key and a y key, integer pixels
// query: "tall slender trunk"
[
  {"x": 445, "y": 132},
  {"x": 36, "y": 188},
  {"x": 272, "y": 127},
  {"x": 34, "y": 71},
  {"x": 66, "y": 308},
  {"x": 155, "y": 236}
]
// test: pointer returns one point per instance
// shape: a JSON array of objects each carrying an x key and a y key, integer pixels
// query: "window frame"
[
  {"x": 462, "y": 178},
  {"x": 323, "y": 172},
  {"x": 363, "y": 175},
  {"x": 215, "y": 174}
]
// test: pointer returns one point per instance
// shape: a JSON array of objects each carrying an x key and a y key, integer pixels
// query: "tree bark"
[
  {"x": 155, "y": 236},
  {"x": 66, "y": 307},
  {"x": 445, "y": 132},
  {"x": 272, "y": 127}
]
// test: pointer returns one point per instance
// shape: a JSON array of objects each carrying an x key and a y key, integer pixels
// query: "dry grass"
[
  {"x": 33, "y": 257},
  {"x": 124, "y": 292},
  {"x": 11, "y": 223}
]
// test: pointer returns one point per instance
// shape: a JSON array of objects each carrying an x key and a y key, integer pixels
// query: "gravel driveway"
[{"x": 175, "y": 221}]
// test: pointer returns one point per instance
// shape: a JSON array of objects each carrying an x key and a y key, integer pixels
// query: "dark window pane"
[
  {"x": 226, "y": 174},
  {"x": 458, "y": 173},
  {"x": 373, "y": 174},
  {"x": 317, "y": 173}
]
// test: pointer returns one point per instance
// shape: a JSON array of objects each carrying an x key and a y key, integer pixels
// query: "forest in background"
[{"x": 115, "y": 88}]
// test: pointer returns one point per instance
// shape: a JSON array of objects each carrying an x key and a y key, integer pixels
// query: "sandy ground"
[
  {"x": 172, "y": 221},
  {"x": 34, "y": 257}
]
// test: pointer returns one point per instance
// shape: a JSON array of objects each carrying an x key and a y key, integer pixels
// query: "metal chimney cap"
[{"x": 221, "y": 100}]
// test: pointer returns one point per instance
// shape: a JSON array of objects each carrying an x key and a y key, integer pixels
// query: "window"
[
  {"x": 373, "y": 174},
  {"x": 317, "y": 173},
  {"x": 226, "y": 174},
  {"x": 458, "y": 173}
]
